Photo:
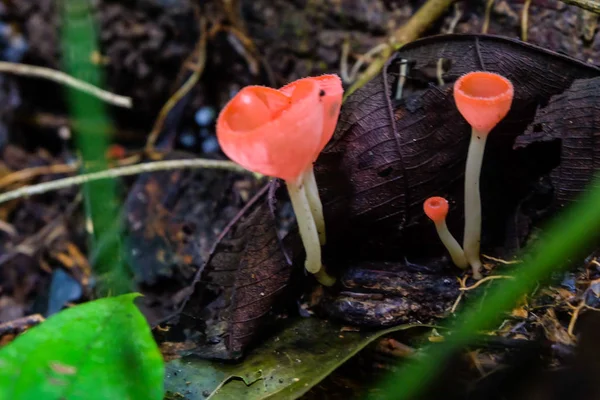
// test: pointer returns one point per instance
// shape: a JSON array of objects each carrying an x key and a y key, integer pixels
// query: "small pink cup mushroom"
[{"x": 436, "y": 208}]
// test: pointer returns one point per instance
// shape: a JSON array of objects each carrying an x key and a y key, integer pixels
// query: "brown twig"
[
  {"x": 501, "y": 261},
  {"x": 21, "y": 324},
  {"x": 486, "y": 279},
  {"x": 525, "y": 20},
  {"x": 198, "y": 69},
  {"x": 118, "y": 172},
  {"x": 33, "y": 172},
  {"x": 487, "y": 16},
  {"x": 463, "y": 284},
  {"x": 574, "y": 317},
  {"x": 590, "y": 5}
]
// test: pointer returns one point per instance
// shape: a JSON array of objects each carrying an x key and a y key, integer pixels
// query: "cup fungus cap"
[
  {"x": 436, "y": 208},
  {"x": 273, "y": 132},
  {"x": 331, "y": 91},
  {"x": 483, "y": 99}
]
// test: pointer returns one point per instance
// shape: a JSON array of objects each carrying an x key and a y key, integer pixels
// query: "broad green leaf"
[
  {"x": 284, "y": 367},
  {"x": 99, "y": 350}
]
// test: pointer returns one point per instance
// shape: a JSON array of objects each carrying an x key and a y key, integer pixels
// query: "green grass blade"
[{"x": 102, "y": 207}]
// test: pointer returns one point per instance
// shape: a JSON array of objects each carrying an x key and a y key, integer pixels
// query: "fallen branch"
[
  {"x": 61, "y": 77},
  {"x": 118, "y": 172},
  {"x": 590, "y": 5}
]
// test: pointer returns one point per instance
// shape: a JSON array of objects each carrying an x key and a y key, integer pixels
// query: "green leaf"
[
  {"x": 284, "y": 367},
  {"x": 99, "y": 350}
]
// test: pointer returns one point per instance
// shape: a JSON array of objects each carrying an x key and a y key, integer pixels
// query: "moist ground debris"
[{"x": 217, "y": 254}]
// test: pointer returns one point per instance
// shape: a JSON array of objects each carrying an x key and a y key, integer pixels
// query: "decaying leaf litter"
[{"x": 385, "y": 151}]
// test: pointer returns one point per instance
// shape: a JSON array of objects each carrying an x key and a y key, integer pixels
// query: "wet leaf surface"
[{"x": 284, "y": 367}]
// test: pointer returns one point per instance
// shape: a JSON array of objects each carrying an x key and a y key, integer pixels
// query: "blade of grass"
[
  {"x": 568, "y": 236},
  {"x": 78, "y": 44}
]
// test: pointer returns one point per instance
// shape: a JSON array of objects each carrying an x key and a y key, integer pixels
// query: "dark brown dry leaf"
[
  {"x": 172, "y": 221},
  {"x": 554, "y": 330},
  {"x": 243, "y": 279},
  {"x": 572, "y": 118}
]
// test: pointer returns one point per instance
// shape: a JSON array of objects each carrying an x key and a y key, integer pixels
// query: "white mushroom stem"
[
  {"x": 456, "y": 252},
  {"x": 316, "y": 207},
  {"x": 308, "y": 231},
  {"x": 472, "y": 238},
  {"x": 323, "y": 278}
]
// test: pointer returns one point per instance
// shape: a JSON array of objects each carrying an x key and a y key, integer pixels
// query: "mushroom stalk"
[
  {"x": 280, "y": 133},
  {"x": 308, "y": 231},
  {"x": 451, "y": 244},
  {"x": 472, "y": 238},
  {"x": 483, "y": 99},
  {"x": 436, "y": 208},
  {"x": 316, "y": 207}
]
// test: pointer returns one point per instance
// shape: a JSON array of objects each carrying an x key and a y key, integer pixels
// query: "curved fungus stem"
[
  {"x": 316, "y": 207},
  {"x": 436, "y": 209},
  {"x": 323, "y": 278}
]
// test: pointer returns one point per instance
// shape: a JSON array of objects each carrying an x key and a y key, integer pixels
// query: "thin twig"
[
  {"x": 501, "y": 261},
  {"x": 525, "y": 20},
  {"x": 182, "y": 91},
  {"x": 463, "y": 284},
  {"x": 590, "y": 5},
  {"x": 61, "y": 77},
  {"x": 487, "y": 278},
  {"x": 487, "y": 16},
  {"x": 458, "y": 13},
  {"x": 117, "y": 172},
  {"x": 29, "y": 173},
  {"x": 574, "y": 316},
  {"x": 349, "y": 77}
]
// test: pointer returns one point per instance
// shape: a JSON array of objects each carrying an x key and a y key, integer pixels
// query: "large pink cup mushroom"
[
  {"x": 280, "y": 133},
  {"x": 483, "y": 99},
  {"x": 331, "y": 93}
]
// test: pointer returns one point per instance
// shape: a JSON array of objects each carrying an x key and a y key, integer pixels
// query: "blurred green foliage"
[
  {"x": 79, "y": 43},
  {"x": 99, "y": 350}
]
